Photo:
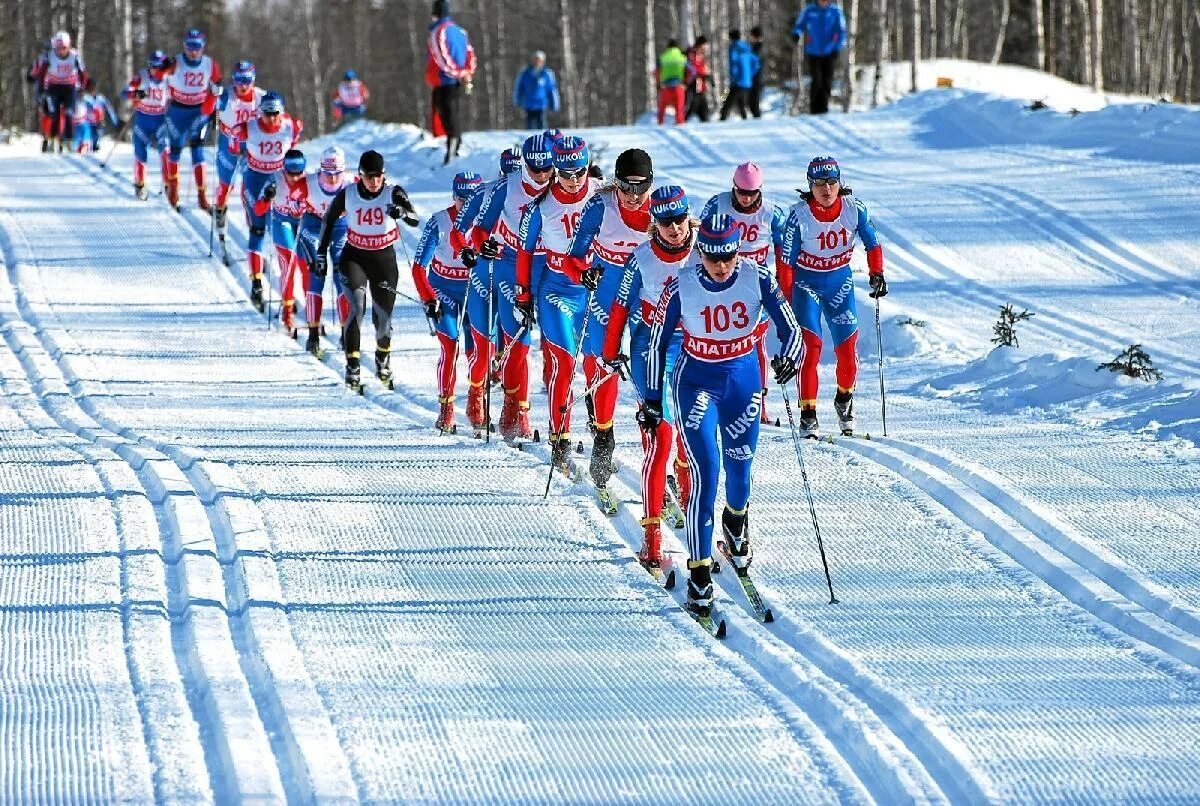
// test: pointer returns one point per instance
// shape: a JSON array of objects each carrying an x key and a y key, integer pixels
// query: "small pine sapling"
[
  {"x": 1005, "y": 330},
  {"x": 1134, "y": 362}
]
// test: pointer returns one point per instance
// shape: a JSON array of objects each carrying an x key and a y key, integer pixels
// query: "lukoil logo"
[{"x": 745, "y": 419}]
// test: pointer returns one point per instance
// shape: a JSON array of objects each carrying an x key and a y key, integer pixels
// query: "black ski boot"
[
  {"x": 140, "y": 192},
  {"x": 808, "y": 423},
  {"x": 256, "y": 295},
  {"x": 353, "y": 377},
  {"x": 590, "y": 402},
  {"x": 220, "y": 217},
  {"x": 560, "y": 453},
  {"x": 383, "y": 368},
  {"x": 700, "y": 588},
  {"x": 843, "y": 404},
  {"x": 313, "y": 345},
  {"x": 602, "y": 452},
  {"x": 736, "y": 530}
]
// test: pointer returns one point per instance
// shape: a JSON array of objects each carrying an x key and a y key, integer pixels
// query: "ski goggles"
[
  {"x": 571, "y": 174},
  {"x": 820, "y": 183},
  {"x": 633, "y": 188},
  {"x": 672, "y": 220}
]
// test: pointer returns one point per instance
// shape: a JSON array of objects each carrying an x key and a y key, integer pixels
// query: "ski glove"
[
  {"x": 618, "y": 364},
  {"x": 650, "y": 415},
  {"x": 269, "y": 191},
  {"x": 524, "y": 305},
  {"x": 321, "y": 267},
  {"x": 491, "y": 249},
  {"x": 785, "y": 368},
  {"x": 433, "y": 309},
  {"x": 878, "y": 286},
  {"x": 139, "y": 93},
  {"x": 468, "y": 257},
  {"x": 590, "y": 278}
]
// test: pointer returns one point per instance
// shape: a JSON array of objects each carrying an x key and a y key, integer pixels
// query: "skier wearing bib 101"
[
  {"x": 148, "y": 92},
  {"x": 718, "y": 298},
  {"x": 563, "y": 292},
  {"x": 331, "y": 179},
  {"x": 194, "y": 82},
  {"x": 350, "y": 98},
  {"x": 264, "y": 140},
  {"x": 233, "y": 109},
  {"x": 371, "y": 207},
  {"x": 441, "y": 281},
  {"x": 494, "y": 238},
  {"x": 761, "y": 226},
  {"x": 286, "y": 195},
  {"x": 639, "y": 289},
  {"x": 614, "y": 222},
  {"x": 818, "y": 242}
]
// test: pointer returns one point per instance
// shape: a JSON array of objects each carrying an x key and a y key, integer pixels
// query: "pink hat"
[{"x": 748, "y": 176}]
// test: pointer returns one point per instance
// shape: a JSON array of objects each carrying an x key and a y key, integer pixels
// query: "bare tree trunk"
[
  {"x": 570, "y": 77},
  {"x": 1039, "y": 35},
  {"x": 630, "y": 59},
  {"x": 1096, "y": 27},
  {"x": 960, "y": 29},
  {"x": 314, "y": 63},
  {"x": 1001, "y": 30},
  {"x": 881, "y": 49},
  {"x": 916, "y": 40},
  {"x": 651, "y": 60},
  {"x": 686, "y": 16},
  {"x": 851, "y": 45}
]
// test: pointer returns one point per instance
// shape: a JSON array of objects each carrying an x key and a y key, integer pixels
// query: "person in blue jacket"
[
  {"x": 536, "y": 92},
  {"x": 822, "y": 26},
  {"x": 743, "y": 66}
]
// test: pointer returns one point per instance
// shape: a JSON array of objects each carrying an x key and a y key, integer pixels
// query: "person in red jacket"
[{"x": 698, "y": 77}]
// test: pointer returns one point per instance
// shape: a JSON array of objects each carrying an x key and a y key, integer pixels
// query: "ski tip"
[
  {"x": 768, "y": 616},
  {"x": 537, "y": 437},
  {"x": 579, "y": 447},
  {"x": 721, "y": 630},
  {"x": 778, "y": 424},
  {"x": 669, "y": 582}
]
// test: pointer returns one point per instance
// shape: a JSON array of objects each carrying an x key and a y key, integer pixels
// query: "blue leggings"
[
  {"x": 190, "y": 124},
  {"x": 148, "y": 130},
  {"x": 602, "y": 302},
  {"x": 562, "y": 314},
  {"x": 310, "y": 238},
  {"x": 717, "y": 410},
  {"x": 226, "y": 163},
  {"x": 252, "y": 184}
]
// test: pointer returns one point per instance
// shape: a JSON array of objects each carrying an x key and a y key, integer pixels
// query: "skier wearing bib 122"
[
  {"x": 718, "y": 299},
  {"x": 194, "y": 81},
  {"x": 441, "y": 281},
  {"x": 235, "y": 107},
  {"x": 331, "y": 179},
  {"x": 563, "y": 292},
  {"x": 148, "y": 92},
  {"x": 819, "y": 239}
]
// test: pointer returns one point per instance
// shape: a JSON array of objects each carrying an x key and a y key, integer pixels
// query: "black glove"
[
  {"x": 468, "y": 257},
  {"x": 524, "y": 306},
  {"x": 650, "y": 415},
  {"x": 433, "y": 309},
  {"x": 169, "y": 63},
  {"x": 795, "y": 37},
  {"x": 400, "y": 198},
  {"x": 785, "y": 368},
  {"x": 590, "y": 278},
  {"x": 618, "y": 364},
  {"x": 394, "y": 211},
  {"x": 139, "y": 93},
  {"x": 878, "y": 286},
  {"x": 595, "y": 171},
  {"x": 491, "y": 249},
  {"x": 321, "y": 267},
  {"x": 268, "y": 192}
]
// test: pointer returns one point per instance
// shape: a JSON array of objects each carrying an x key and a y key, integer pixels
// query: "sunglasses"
[
  {"x": 739, "y": 191},
  {"x": 545, "y": 170},
  {"x": 373, "y": 175},
  {"x": 722, "y": 259},
  {"x": 672, "y": 221},
  {"x": 820, "y": 183},
  {"x": 633, "y": 188},
  {"x": 269, "y": 114},
  {"x": 572, "y": 174}
]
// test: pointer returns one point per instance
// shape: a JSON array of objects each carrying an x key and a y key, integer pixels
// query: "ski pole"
[
  {"x": 882, "y": 391},
  {"x": 119, "y": 136},
  {"x": 605, "y": 376},
  {"x": 487, "y": 378},
  {"x": 587, "y": 315},
  {"x": 787, "y": 404}
]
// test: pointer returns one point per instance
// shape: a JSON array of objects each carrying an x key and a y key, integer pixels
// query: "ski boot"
[
  {"x": 353, "y": 376},
  {"x": 445, "y": 420},
  {"x": 221, "y": 213},
  {"x": 475, "y": 413},
  {"x": 287, "y": 316},
  {"x": 560, "y": 454},
  {"x": 650, "y": 554},
  {"x": 700, "y": 588},
  {"x": 46, "y": 147},
  {"x": 313, "y": 344},
  {"x": 256, "y": 295},
  {"x": 171, "y": 185},
  {"x": 524, "y": 429},
  {"x": 808, "y": 423},
  {"x": 509, "y": 415},
  {"x": 736, "y": 530},
  {"x": 139, "y": 190},
  {"x": 383, "y": 370},
  {"x": 602, "y": 452},
  {"x": 843, "y": 404}
]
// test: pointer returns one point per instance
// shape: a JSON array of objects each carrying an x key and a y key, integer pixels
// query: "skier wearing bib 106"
[
  {"x": 760, "y": 224},
  {"x": 349, "y": 99},
  {"x": 614, "y": 222},
  {"x": 264, "y": 140},
  {"x": 639, "y": 289},
  {"x": 718, "y": 298},
  {"x": 441, "y": 281},
  {"x": 564, "y": 290},
  {"x": 331, "y": 179},
  {"x": 233, "y": 109},
  {"x": 148, "y": 92},
  {"x": 494, "y": 237},
  {"x": 286, "y": 195},
  {"x": 818, "y": 242},
  {"x": 194, "y": 82}
]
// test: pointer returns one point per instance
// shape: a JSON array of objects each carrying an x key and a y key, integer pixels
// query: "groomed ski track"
[{"x": 1011, "y": 628}]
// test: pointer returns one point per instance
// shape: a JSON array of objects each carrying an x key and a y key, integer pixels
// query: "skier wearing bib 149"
[
  {"x": 818, "y": 243},
  {"x": 718, "y": 298}
]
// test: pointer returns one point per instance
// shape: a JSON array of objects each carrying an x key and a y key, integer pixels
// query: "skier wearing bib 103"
[
  {"x": 642, "y": 279},
  {"x": 718, "y": 299},
  {"x": 233, "y": 109},
  {"x": 194, "y": 82},
  {"x": 760, "y": 224},
  {"x": 818, "y": 242},
  {"x": 264, "y": 140},
  {"x": 286, "y": 195},
  {"x": 494, "y": 237},
  {"x": 331, "y": 179},
  {"x": 614, "y": 222},
  {"x": 441, "y": 281},
  {"x": 564, "y": 290},
  {"x": 148, "y": 92}
]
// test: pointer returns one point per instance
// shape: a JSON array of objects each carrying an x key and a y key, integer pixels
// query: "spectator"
[
  {"x": 698, "y": 78},
  {"x": 671, "y": 76},
  {"x": 743, "y": 64},
  {"x": 756, "y": 86},
  {"x": 449, "y": 69},
  {"x": 823, "y": 27},
  {"x": 536, "y": 92}
]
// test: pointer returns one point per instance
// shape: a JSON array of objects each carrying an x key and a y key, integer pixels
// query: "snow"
[{"x": 317, "y": 598}]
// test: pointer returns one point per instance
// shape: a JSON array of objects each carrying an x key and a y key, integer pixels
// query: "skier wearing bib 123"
[
  {"x": 819, "y": 240},
  {"x": 717, "y": 298}
]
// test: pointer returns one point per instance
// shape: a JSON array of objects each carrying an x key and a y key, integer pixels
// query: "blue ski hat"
[
  {"x": 536, "y": 153},
  {"x": 351, "y": 75},
  {"x": 553, "y": 135},
  {"x": 669, "y": 201},
  {"x": 571, "y": 153},
  {"x": 294, "y": 161},
  {"x": 465, "y": 183},
  {"x": 157, "y": 60},
  {"x": 718, "y": 236},
  {"x": 195, "y": 39},
  {"x": 824, "y": 168},
  {"x": 271, "y": 103},
  {"x": 244, "y": 73},
  {"x": 510, "y": 160}
]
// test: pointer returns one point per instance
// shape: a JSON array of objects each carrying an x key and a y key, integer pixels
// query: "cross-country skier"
[
  {"x": 718, "y": 299},
  {"x": 819, "y": 238},
  {"x": 194, "y": 81},
  {"x": 614, "y": 222},
  {"x": 350, "y": 98},
  {"x": 331, "y": 179},
  {"x": 34, "y": 77},
  {"x": 263, "y": 140},
  {"x": 286, "y": 196},
  {"x": 371, "y": 207},
  {"x": 563, "y": 292},
  {"x": 760, "y": 224},
  {"x": 100, "y": 111},
  {"x": 640, "y": 286},
  {"x": 234, "y": 108},
  {"x": 61, "y": 76},
  {"x": 494, "y": 238},
  {"x": 441, "y": 281},
  {"x": 81, "y": 123},
  {"x": 148, "y": 92}
]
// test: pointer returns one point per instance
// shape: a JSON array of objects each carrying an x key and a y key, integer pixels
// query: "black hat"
[
  {"x": 634, "y": 162},
  {"x": 734, "y": 33},
  {"x": 441, "y": 8},
  {"x": 701, "y": 40},
  {"x": 756, "y": 31},
  {"x": 371, "y": 162}
]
